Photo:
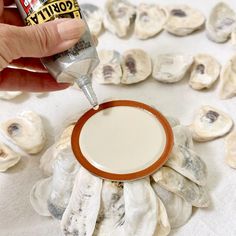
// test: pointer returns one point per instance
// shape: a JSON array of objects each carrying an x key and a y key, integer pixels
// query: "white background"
[{"x": 17, "y": 218}]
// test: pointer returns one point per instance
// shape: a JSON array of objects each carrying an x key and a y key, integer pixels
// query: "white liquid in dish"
[{"x": 122, "y": 140}]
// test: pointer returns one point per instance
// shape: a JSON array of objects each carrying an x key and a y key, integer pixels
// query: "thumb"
[{"x": 40, "y": 40}]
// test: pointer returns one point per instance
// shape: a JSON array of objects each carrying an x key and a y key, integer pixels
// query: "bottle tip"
[{"x": 89, "y": 93}]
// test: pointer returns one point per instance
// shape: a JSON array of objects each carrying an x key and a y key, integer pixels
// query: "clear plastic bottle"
[{"x": 77, "y": 63}]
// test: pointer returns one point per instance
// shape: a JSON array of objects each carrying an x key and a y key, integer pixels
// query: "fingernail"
[{"x": 71, "y": 29}]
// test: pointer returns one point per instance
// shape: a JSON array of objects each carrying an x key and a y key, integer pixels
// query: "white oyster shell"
[
  {"x": 178, "y": 184},
  {"x": 94, "y": 18},
  {"x": 111, "y": 215},
  {"x": 47, "y": 160},
  {"x": 178, "y": 210},
  {"x": 8, "y": 157},
  {"x": 8, "y": 95},
  {"x": 150, "y": 20},
  {"x": 184, "y": 160},
  {"x": 51, "y": 154},
  {"x": 143, "y": 210},
  {"x": 233, "y": 38},
  {"x": 27, "y": 131},
  {"x": 188, "y": 163},
  {"x": 221, "y": 22},
  {"x": 39, "y": 196},
  {"x": 230, "y": 144},
  {"x": 205, "y": 71},
  {"x": 65, "y": 169},
  {"x": 183, "y": 20},
  {"x": 136, "y": 65},
  {"x": 210, "y": 123},
  {"x": 173, "y": 121},
  {"x": 119, "y": 15},
  {"x": 81, "y": 214},
  {"x": 171, "y": 68},
  {"x": 109, "y": 70},
  {"x": 183, "y": 136},
  {"x": 91, "y": 206},
  {"x": 228, "y": 79}
]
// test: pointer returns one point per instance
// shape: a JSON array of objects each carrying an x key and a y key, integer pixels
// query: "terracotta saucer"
[{"x": 122, "y": 140}]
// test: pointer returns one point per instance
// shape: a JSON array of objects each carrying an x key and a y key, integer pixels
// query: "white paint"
[{"x": 122, "y": 139}]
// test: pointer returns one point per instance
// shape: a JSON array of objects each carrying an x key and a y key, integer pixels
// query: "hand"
[{"x": 21, "y": 47}]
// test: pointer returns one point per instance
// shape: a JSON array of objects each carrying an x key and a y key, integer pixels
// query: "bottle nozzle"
[{"x": 86, "y": 86}]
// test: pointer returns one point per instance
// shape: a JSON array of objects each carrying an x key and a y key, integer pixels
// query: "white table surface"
[{"x": 17, "y": 218}]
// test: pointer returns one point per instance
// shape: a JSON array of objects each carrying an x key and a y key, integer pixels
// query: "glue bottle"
[{"x": 77, "y": 63}]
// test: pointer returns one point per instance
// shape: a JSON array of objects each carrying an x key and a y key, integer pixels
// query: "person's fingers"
[
  {"x": 11, "y": 16},
  {"x": 30, "y": 64},
  {"x": 1, "y": 7},
  {"x": 38, "y": 40},
  {"x": 8, "y": 2},
  {"x": 13, "y": 80}
]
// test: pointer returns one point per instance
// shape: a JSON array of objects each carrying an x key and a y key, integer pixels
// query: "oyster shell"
[
  {"x": 178, "y": 184},
  {"x": 39, "y": 195},
  {"x": 111, "y": 215},
  {"x": 8, "y": 157},
  {"x": 188, "y": 163},
  {"x": 149, "y": 21},
  {"x": 47, "y": 160},
  {"x": 119, "y": 15},
  {"x": 8, "y": 95},
  {"x": 221, "y": 22},
  {"x": 183, "y": 20},
  {"x": 233, "y": 38},
  {"x": 178, "y": 210},
  {"x": 94, "y": 18},
  {"x": 183, "y": 136},
  {"x": 143, "y": 210},
  {"x": 228, "y": 79},
  {"x": 53, "y": 152},
  {"x": 205, "y": 71},
  {"x": 173, "y": 121},
  {"x": 109, "y": 70},
  {"x": 136, "y": 65},
  {"x": 82, "y": 212},
  {"x": 171, "y": 68},
  {"x": 210, "y": 123},
  {"x": 26, "y": 131},
  {"x": 230, "y": 143},
  {"x": 65, "y": 168}
]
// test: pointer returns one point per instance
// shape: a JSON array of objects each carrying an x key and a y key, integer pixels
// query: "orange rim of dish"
[{"x": 129, "y": 176}]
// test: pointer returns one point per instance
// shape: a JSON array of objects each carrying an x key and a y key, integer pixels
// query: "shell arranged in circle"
[{"x": 86, "y": 204}]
